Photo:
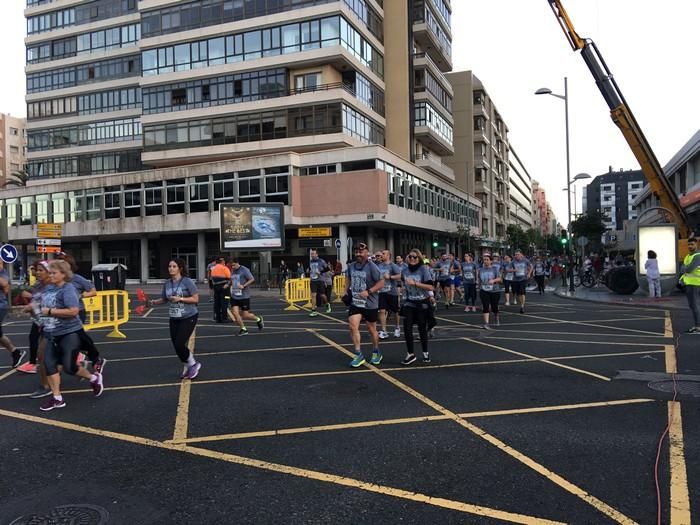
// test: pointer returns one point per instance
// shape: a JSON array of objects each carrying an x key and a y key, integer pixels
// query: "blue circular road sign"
[
  {"x": 337, "y": 244},
  {"x": 8, "y": 253}
]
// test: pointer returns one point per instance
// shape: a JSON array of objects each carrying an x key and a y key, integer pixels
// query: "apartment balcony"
[
  {"x": 433, "y": 141},
  {"x": 429, "y": 35},
  {"x": 481, "y": 161},
  {"x": 481, "y": 111},
  {"x": 434, "y": 165},
  {"x": 423, "y": 61}
]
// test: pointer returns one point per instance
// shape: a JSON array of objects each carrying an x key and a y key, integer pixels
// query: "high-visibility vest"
[{"x": 693, "y": 278}]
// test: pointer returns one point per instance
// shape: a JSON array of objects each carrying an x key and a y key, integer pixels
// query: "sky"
[{"x": 516, "y": 47}]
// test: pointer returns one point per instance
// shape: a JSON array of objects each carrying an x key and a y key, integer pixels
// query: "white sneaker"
[
  {"x": 507, "y": 303},
  {"x": 383, "y": 334},
  {"x": 397, "y": 332}
]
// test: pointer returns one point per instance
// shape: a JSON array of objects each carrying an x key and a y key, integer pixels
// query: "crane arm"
[{"x": 624, "y": 119}]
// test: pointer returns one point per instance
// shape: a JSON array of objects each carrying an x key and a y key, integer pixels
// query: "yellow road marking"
[
  {"x": 668, "y": 327},
  {"x": 150, "y": 310},
  {"x": 547, "y": 361},
  {"x": 183, "y": 411},
  {"x": 531, "y": 323},
  {"x": 583, "y": 323},
  {"x": 670, "y": 354},
  {"x": 541, "y": 469},
  {"x": 293, "y": 471},
  {"x": 680, "y": 498},
  {"x": 579, "y": 342},
  {"x": 399, "y": 421},
  {"x": 8, "y": 374},
  {"x": 192, "y": 341}
]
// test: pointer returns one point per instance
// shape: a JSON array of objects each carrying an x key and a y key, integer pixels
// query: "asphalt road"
[{"x": 528, "y": 423}]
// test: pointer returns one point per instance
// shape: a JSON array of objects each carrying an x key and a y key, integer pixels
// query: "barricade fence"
[
  {"x": 107, "y": 309},
  {"x": 297, "y": 291},
  {"x": 339, "y": 287}
]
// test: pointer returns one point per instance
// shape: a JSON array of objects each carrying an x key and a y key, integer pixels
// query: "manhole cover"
[
  {"x": 67, "y": 515},
  {"x": 691, "y": 388}
]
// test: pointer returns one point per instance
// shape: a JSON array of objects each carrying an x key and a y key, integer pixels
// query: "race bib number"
[
  {"x": 487, "y": 287},
  {"x": 176, "y": 310},
  {"x": 359, "y": 301},
  {"x": 469, "y": 275},
  {"x": 237, "y": 292}
]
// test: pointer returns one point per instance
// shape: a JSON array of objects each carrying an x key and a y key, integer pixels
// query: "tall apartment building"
[
  {"x": 521, "y": 203},
  {"x": 481, "y": 157},
  {"x": 612, "y": 194},
  {"x": 544, "y": 219},
  {"x": 13, "y": 146},
  {"x": 145, "y": 116}
]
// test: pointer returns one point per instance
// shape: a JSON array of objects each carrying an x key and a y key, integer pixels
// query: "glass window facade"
[
  {"x": 426, "y": 115},
  {"x": 80, "y": 14},
  {"x": 105, "y": 132},
  {"x": 82, "y": 165},
  {"x": 84, "y": 74},
  {"x": 88, "y": 104},
  {"x": 251, "y": 45},
  {"x": 102, "y": 40}
]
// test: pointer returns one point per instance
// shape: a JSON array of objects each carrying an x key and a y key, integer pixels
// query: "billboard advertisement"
[{"x": 258, "y": 226}]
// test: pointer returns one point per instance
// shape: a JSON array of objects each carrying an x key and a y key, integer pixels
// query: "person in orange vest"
[{"x": 221, "y": 279}]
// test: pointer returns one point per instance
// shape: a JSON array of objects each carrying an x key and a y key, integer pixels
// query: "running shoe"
[
  {"x": 97, "y": 385},
  {"x": 376, "y": 358},
  {"x": 431, "y": 333},
  {"x": 486, "y": 327},
  {"x": 80, "y": 360},
  {"x": 522, "y": 309},
  {"x": 260, "y": 322},
  {"x": 17, "y": 356},
  {"x": 40, "y": 392},
  {"x": 193, "y": 371},
  {"x": 185, "y": 368},
  {"x": 397, "y": 332},
  {"x": 693, "y": 330},
  {"x": 52, "y": 403},
  {"x": 28, "y": 368},
  {"x": 99, "y": 365},
  {"x": 313, "y": 313},
  {"x": 383, "y": 334},
  {"x": 467, "y": 309},
  {"x": 409, "y": 359},
  {"x": 498, "y": 320},
  {"x": 359, "y": 360},
  {"x": 328, "y": 308},
  {"x": 243, "y": 331},
  {"x": 426, "y": 357}
]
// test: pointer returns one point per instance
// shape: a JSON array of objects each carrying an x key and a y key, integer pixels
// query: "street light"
[
  {"x": 580, "y": 176},
  {"x": 565, "y": 98}
]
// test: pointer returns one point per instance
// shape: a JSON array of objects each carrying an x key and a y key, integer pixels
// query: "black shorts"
[
  {"x": 368, "y": 315},
  {"x": 318, "y": 287},
  {"x": 519, "y": 287},
  {"x": 446, "y": 283},
  {"x": 389, "y": 302},
  {"x": 507, "y": 285},
  {"x": 243, "y": 304}
]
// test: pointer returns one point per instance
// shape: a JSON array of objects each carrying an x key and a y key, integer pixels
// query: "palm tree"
[{"x": 16, "y": 178}]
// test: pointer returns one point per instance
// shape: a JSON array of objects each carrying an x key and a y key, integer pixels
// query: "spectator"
[{"x": 653, "y": 275}]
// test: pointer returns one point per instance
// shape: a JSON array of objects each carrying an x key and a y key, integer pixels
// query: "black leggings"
[
  {"x": 87, "y": 345},
  {"x": 180, "y": 333},
  {"x": 489, "y": 301},
  {"x": 470, "y": 294},
  {"x": 539, "y": 279},
  {"x": 419, "y": 316},
  {"x": 62, "y": 350},
  {"x": 34, "y": 336}
]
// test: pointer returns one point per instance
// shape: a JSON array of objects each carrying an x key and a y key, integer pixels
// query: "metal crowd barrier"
[
  {"x": 297, "y": 291},
  {"x": 339, "y": 287},
  {"x": 107, "y": 309}
]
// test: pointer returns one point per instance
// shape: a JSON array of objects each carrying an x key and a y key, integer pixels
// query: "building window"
[
  {"x": 175, "y": 195},
  {"x": 198, "y": 189},
  {"x": 112, "y": 197}
]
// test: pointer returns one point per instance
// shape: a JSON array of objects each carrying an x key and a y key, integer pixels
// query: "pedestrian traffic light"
[
  {"x": 564, "y": 238},
  {"x": 435, "y": 244}
]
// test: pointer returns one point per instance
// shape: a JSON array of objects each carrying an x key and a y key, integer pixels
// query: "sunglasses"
[
  {"x": 361, "y": 246},
  {"x": 412, "y": 257}
]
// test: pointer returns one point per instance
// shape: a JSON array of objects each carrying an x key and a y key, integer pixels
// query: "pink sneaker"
[
  {"x": 97, "y": 385},
  {"x": 80, "y": 359},
  {"x": 28, "y": 368}
]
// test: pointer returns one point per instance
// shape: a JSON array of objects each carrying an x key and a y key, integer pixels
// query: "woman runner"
[
  {"x": 418, "y": 283},
  {"x": 489, "y": 278},
  {"x": 60, "y": 306},
  {"x": 17, "y": 355},
  {"x": 181, "y": 294},
  {"x": 41, "y": 272},
  {"x": 469, "y": 268}
]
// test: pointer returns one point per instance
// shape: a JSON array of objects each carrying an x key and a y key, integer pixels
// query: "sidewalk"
[{"x": 602, "y": 295}]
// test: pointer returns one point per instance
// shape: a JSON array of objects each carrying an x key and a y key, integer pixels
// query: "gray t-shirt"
[
  {"x": 81, "y": 285},
  {"x": 539, "y": 268},
  {"x": 508, "y": 276},
  {"x": 422, "y": 274},
  {"x": 469, "y": 272},
  {"x": 390, "y": 285},
  {"x": 3, "y": 296},
  {"x": 363, "y": 277},
  {"x": 316, "y": 268},
  {"x": 240, "y": 276},
  {"x": 522, "y": 269},
  {"x": 485, "y": 275},
  {"x": 55, "y": 297},
  {"x": 185, "y": 287},
  {"x": 444, "y": 268}
]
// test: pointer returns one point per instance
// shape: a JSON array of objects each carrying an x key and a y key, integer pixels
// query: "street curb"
[{"x": 564, "y": 295}]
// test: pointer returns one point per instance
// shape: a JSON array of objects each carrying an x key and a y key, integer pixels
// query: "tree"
[
  {"x": 16, "y": 178},
  {"x": 516, "y": 237},
  {"x": 589, "y": 225},
  {"x": 468, "y": 241}
]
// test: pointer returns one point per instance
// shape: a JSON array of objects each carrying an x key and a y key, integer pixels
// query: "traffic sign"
[
  {"x": 49, "y": 230},
  {"x": 48, "y": 249},
  {"x": 48, "y": 242},
  {"x": 8, "y": 253},
  {"x": 582, "y": 241},
  {"x": 320, "y": 231},
  {"x": 337, "y": 244}
]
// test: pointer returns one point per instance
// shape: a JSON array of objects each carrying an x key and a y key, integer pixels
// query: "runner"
[
  {"x": 40, "y": 269},
  {"x": 469, "y": 278},
  {"x": 61, "y": 306},
  {"x": 418, "y": 283},
  {"x": 182, "y": 297},
  {"x": 210, "y": 282},
  {"x": 17, "y": 355},
  {"x": 540, "y": 269},
  {"x": 327, "y": 278},
  {"x": 241, "y": 279},
  {"x": 507, "y": 274},
  {"x": 389, "y": 294},
  {"x": 444, "y": 268},
  {"x": 221, "y": 279},
  {"x": 364, "y": 281},
  {"x": 317, "y": 270},
  {"x": 522, "y": 272},
  {"x": 489, "y": 278}
]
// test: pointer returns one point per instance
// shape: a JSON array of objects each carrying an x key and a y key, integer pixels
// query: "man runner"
[
  {"x": 241, "y": 279},
  {"x": 364, "y": 282},
  {"x": 389, "y": 294},
  {"x": 317, "y": 269},
  {"x": 522, "y": 272}
]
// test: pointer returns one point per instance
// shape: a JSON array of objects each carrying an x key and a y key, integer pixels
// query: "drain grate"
[
  {"x": 686, "y": 387},
  {"x": 67, "y": 515}
]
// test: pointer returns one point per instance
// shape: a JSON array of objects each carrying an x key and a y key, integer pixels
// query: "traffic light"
[
  {"x": 435, "y": 244},
  {"x": 564, "y": 238}
]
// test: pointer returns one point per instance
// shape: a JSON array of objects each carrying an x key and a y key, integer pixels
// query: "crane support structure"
[{"x": 624, "y": 119}]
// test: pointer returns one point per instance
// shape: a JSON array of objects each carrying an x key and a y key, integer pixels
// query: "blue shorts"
[{"x": 458, "y": 280}]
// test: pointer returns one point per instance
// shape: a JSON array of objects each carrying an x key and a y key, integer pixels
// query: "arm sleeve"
[
  {"x": 163, "y": 295},
  {"x": 70, "y": 298},
  {"x": 191, "y": 287}
]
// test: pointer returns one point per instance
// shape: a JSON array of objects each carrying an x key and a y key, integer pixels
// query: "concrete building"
[
  {"x": 144, "y": 116},
  {"x": 481, "y": 154},
  {"x": 683, "y": 170},
  {"x": 13, "y": 146},
  {"x": 521, "y": 202},
  {"x": 612, "y": 194}
]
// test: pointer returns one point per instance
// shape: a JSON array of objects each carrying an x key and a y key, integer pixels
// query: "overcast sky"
[{"x": 516, "y": 47}]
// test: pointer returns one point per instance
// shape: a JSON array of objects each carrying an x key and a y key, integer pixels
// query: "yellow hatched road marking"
[
  {"x": 578, "y": 342},
  {"x": 293, "y": 471},
  {"x": 540, "y": 359},
  {"x": 668, "y": 327},
  {"x": 582, "y": 323},
  {"x": 8, "y": 374},
  {"x": 399, "y": 421},
  {"x": 541, "y": 469},
  {"x": 680, "y": 498},
  {"x": 183, "y": 411},
  {"x": 531, "y": 323}
]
